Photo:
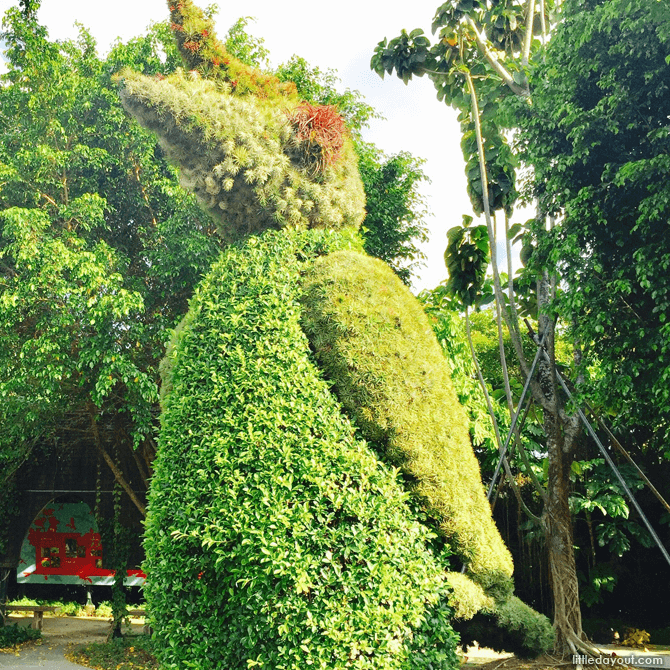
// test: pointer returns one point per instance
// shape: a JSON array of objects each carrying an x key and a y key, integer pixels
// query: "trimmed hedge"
[
  {"x": 375, "y": 344},
  {"x": 243, "y": 157},
  {"x": 467, "y": 597},
  {"x": 275, "y": 538},
  {"x": 510, "y": 626}
]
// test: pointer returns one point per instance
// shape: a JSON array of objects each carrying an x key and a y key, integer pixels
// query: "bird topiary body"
[{"x": 314, "y": 471}]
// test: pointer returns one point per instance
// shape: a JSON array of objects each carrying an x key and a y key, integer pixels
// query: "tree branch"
[
  {"x": 528, "y": 37},
  {"x": 491, "y": 57},
  {"x": 515, "y": 337},
  {"x": 489, "y": 406},
  {"x": 110, "y": 462}
]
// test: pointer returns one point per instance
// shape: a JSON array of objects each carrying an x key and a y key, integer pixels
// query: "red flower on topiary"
[{"x": 321, "y": 131}]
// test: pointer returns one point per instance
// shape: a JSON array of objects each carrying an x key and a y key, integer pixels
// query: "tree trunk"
[
  {"x": 557, "y": 522},
  {"x": 561, "y": 431}
]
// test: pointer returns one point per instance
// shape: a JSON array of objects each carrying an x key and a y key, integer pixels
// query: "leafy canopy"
[{"x": 598, "y": 141}]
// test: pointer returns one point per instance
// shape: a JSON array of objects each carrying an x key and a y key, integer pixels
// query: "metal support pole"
[
  {"x": 503, "y": 451},
  {"x": 612, "y": 465}
]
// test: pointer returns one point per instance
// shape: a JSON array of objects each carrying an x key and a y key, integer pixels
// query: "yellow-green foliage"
[
  {"x": 374, "y": 342},
  {"x": 467, "y": 597},
  {"x": 241, "y": 157},
  {"x": 636, "y": 638},
  {"x": 509, "y": 626},
  {"x": 203, "y": 52}
]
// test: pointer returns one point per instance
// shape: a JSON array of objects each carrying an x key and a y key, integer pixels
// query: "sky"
[{"x": 341, "y": 37}]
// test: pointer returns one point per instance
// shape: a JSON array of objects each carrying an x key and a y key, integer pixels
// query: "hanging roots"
[{"x": 319, "y": 131}]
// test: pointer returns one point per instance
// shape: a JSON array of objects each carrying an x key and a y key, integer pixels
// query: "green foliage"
[
  {"x": 205, "y": 55},
  {"x": 467, "y": 260},
  {"x": 449, "y": 328},
  {"x": 116, "y": 538},
  {"x": 131, "y": 653},
  {"x": 242, "y": 158},
  {"x": 367, "y": 330},
  {"x": 11, "y": 636},
  {"x": 467, "y": 597},
  {"x": 245, "y": 47},
  {"x": 274, "y": 536},
  {"x": 598, "y": 143},
  {"x": 512, "y": 627},
  {"x": 601, "y": 579},
  {"x": 395, "y": 212},
  {"x": 99, "y": 246},
  {"x": 321, "y": 88},
  {"x": 446, "y": 63}
]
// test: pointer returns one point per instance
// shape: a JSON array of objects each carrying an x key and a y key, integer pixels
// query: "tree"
[
  {"x": 481, "y": 58},
  {"x": 606, "y": 529},
  {"x": 101, "y": 248},
  {"x": 100, "y": 251},
  {"x": 600, "y": 160},
  {"x": 395, "y": 211},
  {"x": 482, "y": 65}
]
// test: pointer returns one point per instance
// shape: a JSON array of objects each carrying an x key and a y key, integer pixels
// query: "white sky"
[{"x": 341, "y": 36}]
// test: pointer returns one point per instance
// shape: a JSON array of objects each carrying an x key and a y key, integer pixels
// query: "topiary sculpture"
[{"x": 314, "y": 471}]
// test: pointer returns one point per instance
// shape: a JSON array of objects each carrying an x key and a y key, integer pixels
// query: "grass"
[{"x": 130, "y": 653}]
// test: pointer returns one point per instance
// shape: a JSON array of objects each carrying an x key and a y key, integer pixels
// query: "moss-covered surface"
[
  {"x": 376, "y": 346},
  {"x": 243, "y": 157},
  {"x": 276, "y": 538}
]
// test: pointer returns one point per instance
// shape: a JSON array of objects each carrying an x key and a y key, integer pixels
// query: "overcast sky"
[{"x": 341, "y": 36}]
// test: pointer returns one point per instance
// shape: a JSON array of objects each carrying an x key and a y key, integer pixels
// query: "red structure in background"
[{"x": 63, "y": 546}]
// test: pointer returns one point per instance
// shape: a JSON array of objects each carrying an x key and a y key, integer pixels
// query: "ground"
[
  {"x": 64, "y": 638},
  {"x": 60, "y": 637}
]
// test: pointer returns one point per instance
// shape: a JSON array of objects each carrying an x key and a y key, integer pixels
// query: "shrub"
[
  {"x": 10, "y": 636},
  {"x": 131, "y": 653},
  {"x": 66, "y": 608},
  {"x": 375, "y": 344},
  {"x": 467, "y": 597},
  {"x": 275, "y": 538},
  {"x": 512, "y": 626}
]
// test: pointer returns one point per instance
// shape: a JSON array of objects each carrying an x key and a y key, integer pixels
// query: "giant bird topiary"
[{"x": 315, "y": 473}]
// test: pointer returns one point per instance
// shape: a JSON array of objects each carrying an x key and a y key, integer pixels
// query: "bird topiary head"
[{"x": 254, "y": 154}]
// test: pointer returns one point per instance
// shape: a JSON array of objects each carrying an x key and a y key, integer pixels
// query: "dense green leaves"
[
  {"x": 365, "y": 328},
  {"x": 322, "y": 88},
  {"x": 274, "y": 536},
  {"x": 100, "y": 247},
  {"x": 598, "y": 142},
  {"x": 394, "y": 211},
  {"x": 467, "y": 261}
]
